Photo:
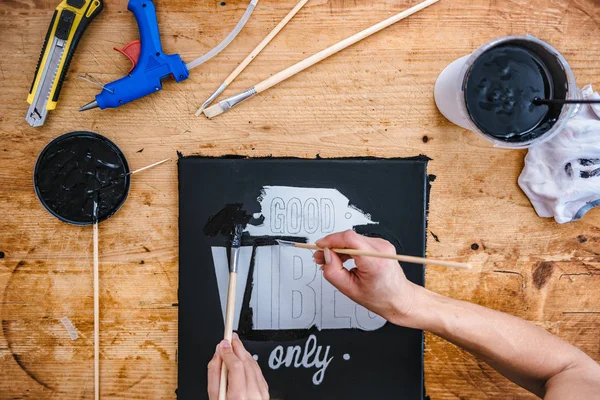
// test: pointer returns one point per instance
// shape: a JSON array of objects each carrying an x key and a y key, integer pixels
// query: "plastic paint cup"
[
  {"x": 75, "y": 170},
  {"x": 490, "y": 91}
]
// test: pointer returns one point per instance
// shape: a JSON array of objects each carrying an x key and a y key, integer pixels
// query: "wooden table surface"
[{"x": 373, "y": 99}]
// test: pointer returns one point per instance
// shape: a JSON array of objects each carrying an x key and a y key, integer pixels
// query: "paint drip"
[{"x": 78, "y": 168}]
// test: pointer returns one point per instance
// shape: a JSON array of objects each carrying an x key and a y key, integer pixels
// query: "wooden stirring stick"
[
  {"x": 398, "y": 257},
  {"x": 539, "y": 101},
  {"x": 96, "y": 307}
]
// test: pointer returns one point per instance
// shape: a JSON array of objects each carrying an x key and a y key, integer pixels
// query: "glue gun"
[{"x": 150, "y": 64}]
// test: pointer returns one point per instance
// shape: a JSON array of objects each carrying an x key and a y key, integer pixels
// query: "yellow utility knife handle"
[{"x": 69, "y": 21}]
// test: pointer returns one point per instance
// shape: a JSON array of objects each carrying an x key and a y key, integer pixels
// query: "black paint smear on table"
[
  {"x": 78, "y": 168},
  {"x": 387, "y": 361}
]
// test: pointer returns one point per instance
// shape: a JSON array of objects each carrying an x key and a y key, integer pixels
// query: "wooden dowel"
[
  {"x": 228, "y": 334},
  {"x": 398, "y": 257},
  {"x": 323, "y": 54},
  {"x": 96, "y": 310},
  {"x": 150, "y": 166}
]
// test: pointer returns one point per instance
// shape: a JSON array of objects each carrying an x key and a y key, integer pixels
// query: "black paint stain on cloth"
[
  {"x": 590, "y": 174},
  {"x": 569, "y": 170}
]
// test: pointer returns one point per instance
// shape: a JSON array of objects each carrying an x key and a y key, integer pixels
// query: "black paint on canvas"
[
  {"x": 224, "y": 221},
  {"x": 387, "y": 361}
]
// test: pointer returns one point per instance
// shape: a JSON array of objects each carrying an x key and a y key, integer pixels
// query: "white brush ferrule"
[
  {"x": 212, "y": 97},
  {"x": 237, "y": 99}
]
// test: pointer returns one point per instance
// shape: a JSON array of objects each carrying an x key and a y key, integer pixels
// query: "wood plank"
[{"x": 374, "y": 98}]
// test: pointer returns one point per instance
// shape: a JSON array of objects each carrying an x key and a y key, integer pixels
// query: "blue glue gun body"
[{"x": 152, "y": 67}]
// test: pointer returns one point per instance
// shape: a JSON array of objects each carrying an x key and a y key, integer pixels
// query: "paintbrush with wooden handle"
[
  {"x": 232, "y": 101},
  {"x": 236, "y": 242},
  {"x": 398, "y": 257},
  {"x": 251, "y": 56}
]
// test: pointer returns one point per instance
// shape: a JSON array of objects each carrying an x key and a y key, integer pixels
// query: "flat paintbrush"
[
  {"x": 398, "y": 257},
  {"x": 232, "y": 101},
  {"x": 252, "y": 56},
  {"x": 236, "y": 242}
]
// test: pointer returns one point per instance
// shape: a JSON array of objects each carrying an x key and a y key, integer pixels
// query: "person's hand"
[
  {"x": 245, "y": 380},
  {"x": 377, "y": 284}
]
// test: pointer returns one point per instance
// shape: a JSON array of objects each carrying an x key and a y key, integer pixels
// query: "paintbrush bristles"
[
  {"x": 96, "y": 305},
  {"x": 150, "y": 166},
  {"x": 236, "y": 238},
  {"x": 251, "y": 56},
  {"x": 213, "y": 111}
]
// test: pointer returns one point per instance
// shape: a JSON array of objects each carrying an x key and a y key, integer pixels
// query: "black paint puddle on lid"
[{"x": 76, "y": 168}]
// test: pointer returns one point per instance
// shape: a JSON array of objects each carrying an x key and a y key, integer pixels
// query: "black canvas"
[{"x": 385, "y": 363}]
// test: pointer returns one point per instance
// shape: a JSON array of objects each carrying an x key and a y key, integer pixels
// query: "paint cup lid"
[{"x": 76, "y": 169}]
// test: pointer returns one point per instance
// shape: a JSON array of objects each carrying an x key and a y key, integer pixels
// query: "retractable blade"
[{"x": 70, "y": 20}]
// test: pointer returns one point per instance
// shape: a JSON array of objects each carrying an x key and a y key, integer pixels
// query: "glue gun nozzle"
[{"x": 89, "y": 106}]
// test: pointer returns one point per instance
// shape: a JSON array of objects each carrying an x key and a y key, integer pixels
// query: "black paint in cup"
[
  {"x": 503, "y": 81},
  {"x": 76, "y": 169}
]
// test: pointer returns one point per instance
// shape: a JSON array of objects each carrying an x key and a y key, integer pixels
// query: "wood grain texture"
[{"x": 373, "y": 99}]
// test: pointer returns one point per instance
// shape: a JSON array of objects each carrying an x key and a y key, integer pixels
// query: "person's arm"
[{"x": 524, "y": 353}]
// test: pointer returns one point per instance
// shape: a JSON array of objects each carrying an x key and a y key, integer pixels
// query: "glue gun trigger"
[{"x": 132, "y": 52}]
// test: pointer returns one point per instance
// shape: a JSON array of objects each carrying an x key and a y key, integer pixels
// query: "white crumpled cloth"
[{"x": 561, "y": 176}]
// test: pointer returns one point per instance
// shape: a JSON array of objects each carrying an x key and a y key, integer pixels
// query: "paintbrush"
[
  {"x": 398, "y": 257},
  {"x": 96, "y": 304},
  {"x": 232, "y": 101},
  {"x": 252, "y": 56},
  {"x": 236, "y": 242}
]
